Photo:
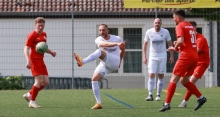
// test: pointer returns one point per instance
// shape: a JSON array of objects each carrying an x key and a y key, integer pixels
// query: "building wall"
[{"x": 59, "y": 34}]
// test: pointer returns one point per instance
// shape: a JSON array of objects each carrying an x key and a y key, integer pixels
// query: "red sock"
[
  {"x": 170, "y": 91},
  {"x": 187, "y": 95},
  {"x": 31, "y": 91},
  {"x": 41, "y": 87},
  {"x": 35, "y": 91},
  {"x": 193, "y": 89}
]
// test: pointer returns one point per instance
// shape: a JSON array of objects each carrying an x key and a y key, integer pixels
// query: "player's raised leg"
[
  {"x": 95, "y": 55},
  {"x": 78, "y": 60}
]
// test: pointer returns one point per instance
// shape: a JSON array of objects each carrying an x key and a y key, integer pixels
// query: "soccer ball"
[{"x": 41, "y": 47}]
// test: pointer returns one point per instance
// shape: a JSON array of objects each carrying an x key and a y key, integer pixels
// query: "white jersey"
[
  {"x": 157, "y": 42},
  {"x": 112, "y": 50},
  {"x": 112, "y": 56}
]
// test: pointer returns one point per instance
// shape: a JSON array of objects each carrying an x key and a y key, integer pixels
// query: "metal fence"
[{"x": 72, "y": 26}]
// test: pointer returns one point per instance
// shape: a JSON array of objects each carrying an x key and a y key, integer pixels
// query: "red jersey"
[
  {"x": 188, "y": 49},
  {"x": 32, "y": 39},
  {"x": 203, "y": 53}
]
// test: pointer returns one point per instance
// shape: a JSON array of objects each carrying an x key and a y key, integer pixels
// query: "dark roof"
[
  {"x": 67, "y": 5},
  {"x": 81, "y": 8},
  {"x": 35, "y": 5}
]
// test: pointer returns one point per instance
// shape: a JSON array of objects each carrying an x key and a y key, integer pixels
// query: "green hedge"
[{"x": 11, "y": 83}]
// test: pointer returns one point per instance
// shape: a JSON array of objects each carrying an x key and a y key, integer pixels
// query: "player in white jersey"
[
  {"x": 110, "y": 50},
  {"x": 157, "y": 38}
]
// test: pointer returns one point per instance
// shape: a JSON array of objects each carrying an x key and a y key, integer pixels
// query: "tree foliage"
[{"x": 209, "y": 14}]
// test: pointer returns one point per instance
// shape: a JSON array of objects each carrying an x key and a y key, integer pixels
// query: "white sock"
[
  {"x": 151, "y": 83},
  {"x": 28, "y": 94},
  {"x": 201, "y": 97},
  {"x": 96, "y": 91},
  {"x": 32, "y": 102},
  {"x": 92, "y": 56},
  {"x": 160, "y": 83},
  {"x": 166, "y": 103},
  {"x": 184, "y": 101}
]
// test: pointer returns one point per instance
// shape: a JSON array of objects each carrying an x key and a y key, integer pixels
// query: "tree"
[{"x": 209, "y": 14}]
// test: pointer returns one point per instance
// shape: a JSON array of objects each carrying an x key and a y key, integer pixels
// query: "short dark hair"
[
  {"x": 103, "y": 25},
  {"x": 180, "y": 13},
  {"x": 159, "y": 19},
  {"x": 193, "y": 23}
]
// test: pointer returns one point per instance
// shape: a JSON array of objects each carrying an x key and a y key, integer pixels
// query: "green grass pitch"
[{"x": 115, "y": 102}]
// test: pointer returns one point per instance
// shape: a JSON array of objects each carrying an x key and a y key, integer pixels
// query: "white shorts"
[
  {"x": 111, "y": 64},
  {"x": 157, "y": 65}
]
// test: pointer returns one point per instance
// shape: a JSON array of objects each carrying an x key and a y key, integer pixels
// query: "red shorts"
[
  {"x": 200, "y": 70},
  {"x": 185, "y": 67},
  {"x": 38, "y": 67}
]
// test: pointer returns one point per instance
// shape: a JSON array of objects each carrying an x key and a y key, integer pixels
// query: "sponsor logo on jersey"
[
  {"x": 157, "y": 42},
  {"x": 109, "y": 50},
  {"x": 188, "y": 26}
]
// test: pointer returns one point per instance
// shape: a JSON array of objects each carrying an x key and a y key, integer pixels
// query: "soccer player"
[
  {"x": 187, "y": 61},
  {"x": 110, "y": 50},
  {"x": 202, "y": 65},
  {"x": 157, "y": 37},
  {"x": 35, "y": 61}
]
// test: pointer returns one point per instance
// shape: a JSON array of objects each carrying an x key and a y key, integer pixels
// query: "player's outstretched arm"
[
  {"x": 108, "y": 44},
  {"x": 51, "y": 52}
]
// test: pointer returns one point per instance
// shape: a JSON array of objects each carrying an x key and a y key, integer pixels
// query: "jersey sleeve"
[
  {"x": 30, "y": 39},
  {"x": 120, "y": 39},
  {"x": 179, "y": 31},
  {"x": 98, "y": 41},
  {"x": 200, "y": 43},
  {"x": 146, "y": 38}
]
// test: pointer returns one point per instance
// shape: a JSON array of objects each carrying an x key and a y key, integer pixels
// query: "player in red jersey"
[
  {"x": 35, "y": 61},
  {"x": 202, "y": 65},
  {"x": 187, "y": 61}
]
